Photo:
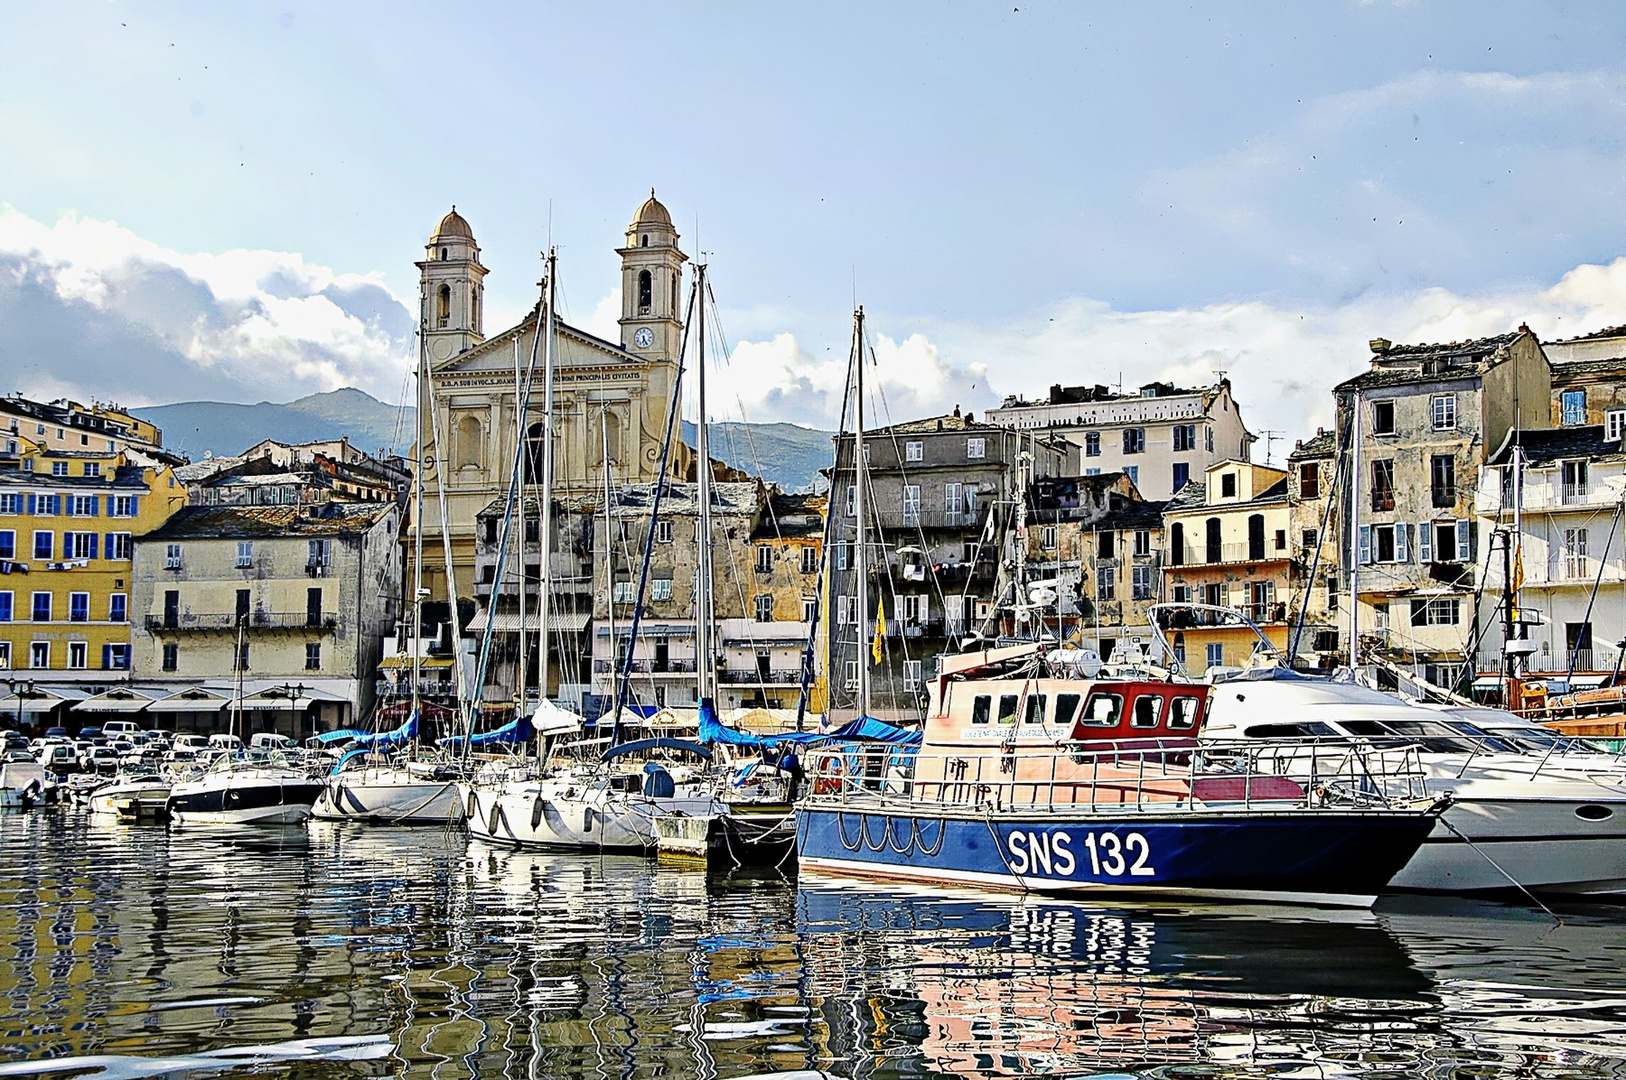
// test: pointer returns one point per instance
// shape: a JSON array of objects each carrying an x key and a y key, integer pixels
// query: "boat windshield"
[{"x": 1437, "y": 736}]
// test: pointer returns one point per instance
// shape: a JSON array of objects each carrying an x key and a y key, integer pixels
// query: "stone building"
[
  {"x": 270, "y": 473},
  {"x": 772, "y": 579},
  {"x": 68, "y": 519},
  {"x": 1228, "y": 546},
  {"x": 1161, "y": 435},
  {"x": 472, "y": 424},
  {"x": 1589, "y": 380},
  {"x": 292, "y": 598},
  {"x": 1101, "y": 545},
  {"x": 1315, "y": 495},
  {"x": 1428, "y": 416},
  {"x": 941, "y": 499}
]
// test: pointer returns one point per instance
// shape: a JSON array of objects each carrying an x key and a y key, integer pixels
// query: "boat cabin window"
[
  {"x": 1034, "y": 714},
  {"x": 1185, "y": 714},
  {"x": 1431, "y": 735},
  {"x": 1148, "y": 711},
  {"x": 1007, "y": 708},
  {"x": 979, "y": 709},
  {"x": 1291, "y": 731},
  {"x": 1067, "y": 707},
  {"x": 1103, "y": 710}
]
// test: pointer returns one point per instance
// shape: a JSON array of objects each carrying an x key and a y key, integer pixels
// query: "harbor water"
[{"x": 343, "y": 951}]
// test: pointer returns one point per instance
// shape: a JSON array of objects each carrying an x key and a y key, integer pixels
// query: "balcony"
[
  {"x": 929, "y": 519},
  {"x": 646, "y": 666},
  {"x": 226, "y": 622},
  {"x": 1221, "y": 554},
  {"x": 1574, "y": 494},
  {"x": 778, "y": 677}
]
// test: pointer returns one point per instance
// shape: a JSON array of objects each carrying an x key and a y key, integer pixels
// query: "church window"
[
  {"x": 674, "y": 294},
  {"x": 442, "y": 254},
  {"x": 474, "y": 307},
  {"x": 468, "y": 443},
  {"x": 646, "y": 289},
  {"x": 443, "y": 314},
  {"x": 643, "y": 241},
  {"x": 533, "y": 454}
]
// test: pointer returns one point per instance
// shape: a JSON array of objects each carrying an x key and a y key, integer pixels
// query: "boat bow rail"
[{"x": 1151, "y": 776}]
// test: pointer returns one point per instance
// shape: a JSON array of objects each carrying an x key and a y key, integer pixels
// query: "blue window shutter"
[
  {"x": 1402, "y": 555},
  {"x": 107, "y": 546},
  {"x": 1366, "y": 544},
  {"x": 95, "y": 506},
  {"x": 30, "y": 503},
  {"x": 1425, "y": 542},
  {"x": 135, "y": 505},
  {"x": 93, "y": 545},
  {"x": 107, "y": 658},
  {"x": 1465, "y": 541}
]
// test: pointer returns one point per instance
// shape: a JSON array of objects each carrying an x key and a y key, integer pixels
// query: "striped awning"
[
  {"x": 507, "y": 622},
  {"x": 392, "y": 663},
  {"x": 118, "y": 700}
]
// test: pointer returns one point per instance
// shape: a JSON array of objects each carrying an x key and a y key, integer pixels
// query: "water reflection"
[{"x": 145, "y": 949}]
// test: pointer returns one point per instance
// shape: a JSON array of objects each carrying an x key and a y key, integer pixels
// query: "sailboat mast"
[
  {"x": 860, "y": 564},
  {"x": 1355, "y": 533},
  {"x": 547, "y": 481},
  {"x": 519, "y": 533},
  {"x": 417, "y": 506},
  {"x": 702, "y": 606}
]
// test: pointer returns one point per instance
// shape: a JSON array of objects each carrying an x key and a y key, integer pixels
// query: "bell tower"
[
  {"x": 453, "y": 289},
  {"x": 652, "y": 284}
]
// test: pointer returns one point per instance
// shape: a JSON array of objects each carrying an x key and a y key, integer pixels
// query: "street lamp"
[{"x": 19, "y": 687}]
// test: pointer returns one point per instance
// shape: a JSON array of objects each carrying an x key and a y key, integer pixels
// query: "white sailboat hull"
[
  {"x": 389, "y": 797},
  {"x": 549, "y": 814}
]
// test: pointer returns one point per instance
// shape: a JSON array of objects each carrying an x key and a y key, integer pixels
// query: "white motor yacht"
[
  {"x": 131, "y": 794},
  {"x": 256, "y": 787}
]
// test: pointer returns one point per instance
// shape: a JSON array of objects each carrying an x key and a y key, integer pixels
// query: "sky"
[{"x": 226, "y": 201}]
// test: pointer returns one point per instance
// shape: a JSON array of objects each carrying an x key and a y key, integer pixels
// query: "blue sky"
[{"x": 226, "y": 200}]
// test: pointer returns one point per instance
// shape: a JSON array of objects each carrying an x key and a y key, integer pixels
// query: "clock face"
[{"x": 645, "y": 337}]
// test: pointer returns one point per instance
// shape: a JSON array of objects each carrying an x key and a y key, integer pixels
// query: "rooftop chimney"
[{"x": 1380, "y": 345}]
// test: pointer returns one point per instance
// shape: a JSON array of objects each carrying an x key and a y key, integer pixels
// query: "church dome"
[
  {"x": 454, "y": 227},
  {"x": 651, "y": 213}
]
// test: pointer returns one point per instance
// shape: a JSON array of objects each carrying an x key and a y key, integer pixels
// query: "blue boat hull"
[{"x": 1326, "y": 857}]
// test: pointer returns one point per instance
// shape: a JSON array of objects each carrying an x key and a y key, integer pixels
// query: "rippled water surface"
[{"x": 344, "y": 952}]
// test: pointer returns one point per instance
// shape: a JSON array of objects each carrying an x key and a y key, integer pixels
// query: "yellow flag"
[
  {"x": 1518, "y": 578},
  {"x": 880, "y": 632}
]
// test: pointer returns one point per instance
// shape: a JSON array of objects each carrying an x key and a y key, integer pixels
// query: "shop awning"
[
  {"x": 42, "y": 699},
  {"x": 277, "y": 697},
  {"x": 507, "y": 622},
  {"x": 120, "y": 699},
  {"x": 192, "y": 699},
  {"x": 427, "y": 663}
]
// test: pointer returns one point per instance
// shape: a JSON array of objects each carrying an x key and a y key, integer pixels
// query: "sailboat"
[
  {"x": 370, "y": 783},
  {"x": 254, "y": 786}
]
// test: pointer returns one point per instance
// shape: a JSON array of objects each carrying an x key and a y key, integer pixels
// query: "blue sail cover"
[
  {"x": 385, "y": 739},
  {"x": 515, "y": 731},
  {"x": 863, "y": 729}
]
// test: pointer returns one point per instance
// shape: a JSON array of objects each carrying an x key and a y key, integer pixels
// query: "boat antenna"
[{"x": 859, "y": 478}]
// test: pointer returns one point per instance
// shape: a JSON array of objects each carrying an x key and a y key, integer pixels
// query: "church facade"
[{"x": 605, "y": 394}]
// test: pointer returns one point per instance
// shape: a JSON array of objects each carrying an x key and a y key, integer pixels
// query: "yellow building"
[
  {"x": 1229, "y": 546},
  {"x": 68, "y": 425},
  {"x": 67, "y": 522}
]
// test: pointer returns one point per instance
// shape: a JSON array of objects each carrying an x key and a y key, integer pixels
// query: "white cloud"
[{"x": 146, "y": 323}]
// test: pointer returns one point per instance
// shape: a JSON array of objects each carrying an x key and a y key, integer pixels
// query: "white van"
[
  {"x": 225, "y": 742},
  {"x": 120, "y": 727},
  {"x": 270, "y": 740}
]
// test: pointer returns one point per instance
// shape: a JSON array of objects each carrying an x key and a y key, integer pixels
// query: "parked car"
[
  {"x": 99, "y": 759},
  {"x": 191, "y": 743},
  {"x": 56, "y": 733}
]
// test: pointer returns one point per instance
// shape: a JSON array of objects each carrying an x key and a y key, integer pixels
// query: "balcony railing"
[
  {"x": 1217, "y": 554},
  {"x": 1572, "y": 494},
  {"x": 228, "y": 621},
  {"x": 781, "y": 677}
]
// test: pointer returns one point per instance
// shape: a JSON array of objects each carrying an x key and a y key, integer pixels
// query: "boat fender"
[
  {"x": 828, "y": 780},
  {"x": 473, "y": 809},
  {"x": 496, "y": 816},
  {"x": 536, "y": 813}
]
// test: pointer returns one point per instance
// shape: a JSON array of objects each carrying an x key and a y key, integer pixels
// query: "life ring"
[{"x": 827, "y": 781}]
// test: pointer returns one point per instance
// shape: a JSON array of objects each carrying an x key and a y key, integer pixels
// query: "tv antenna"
[{"x": 1272, "y": 437}]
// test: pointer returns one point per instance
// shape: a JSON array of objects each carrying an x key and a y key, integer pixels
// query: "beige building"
[
  {"x": 1162, "y": 436},
  {"x": 1314, "y": 498},
  {"x": 1589, "y": 381},
  {"x": 69, "y": 426},
  {"x": 622, "y": 389},
  {"x": 1228, "y": 546},
  {"x": 285, "y": 596},
  {"x": 1429, "y": 416}
]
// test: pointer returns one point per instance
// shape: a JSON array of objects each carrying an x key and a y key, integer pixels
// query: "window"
[
  {"x": 1142, "y": 583},
  {"x": 1383, "y": 484},
  {"x": 172, "y": 557},
  {"x": 1436, "y": 611},
  {"x": 1134, "y": 440},
  {"x": 844, "y": 610},
  {"x": 118, "y": 607},
  {"x": 1092, "y": 444},
  {"x": 1047, "y": 538},
  {"x": 625, "y": 592},
  {"x": 313, "y": 655},
  {"x": 1310, "y": 537},
  {"x": 810, "y": 607},
  {"x": 76, "y": 655},
  {"x": 1143, "y": 542},
  {"x": 1185, "y": 437},
  {"x": 911, "y": 504},
  {"x": 1177, "y": 544},
  {"x": 646, "y": 287},
  {"x": 78, "y": 545},
  {"x": 976, "y": 448},
  {"x": 980, "y": 709},
  {"x": 1575, "y": 553},
  {"x": 118, "y": 547},
  {"x": 762, "y": 608},
  {"x": 663, "y": 532},
  {"x": 39, "y": 654},
  {"x": 1442, "y": 474},
  {"x": 1133, "y": 472},
  {"x": 1256, "y": 536},
  {"x": 1007, "y": 708},
  {"x": 1228, "y": 485},
  {"x": 59, "y": 468},
  {"x": 92, "y": 468},
  {"x": 242, "y": 605},
  {"x": 852, "y": 498},
  {"x": 764, "y": 559},
  {"x": 11, "y": 503},
  {"x": 82, "y": 505},
  {"x": 843, "y": 555},
  {"x": 810, "y": 559},
  {"x": 1383, "y": 418},
  {"x": 1614, "y": 426},
  {"x": 1182, "y": 475},
  {"x": 245, "y": 554},
  {"x": 1442, "y": 411},
  {"x": 1106, "y": 582},
  {"x": 47, "y": 505},
  {"x": 1214, "y": 550},
  {"x": 1385, "y": 543},
  {"x": 1103, "y": 709},
  {"x": 1577, "y": 485},
  {"x": 172, "y": 657},
  {"x": 44, "y": 545},
  {"x": 913, "y": 451},
  {"x": 5, "y": 607},
  {"x": 1034, "y": 711},
  {"x": 659, "y": 589},
  {"x": 1310, "y": 481},
  {"x": 914, "y": 610},
  {"x": 1208, "y": 438},
  {"x": 1574, "y": 407},
  {"x": 240, "y": 660},
  {"x": 313, "y": 606},
  {"x": 316, "y": 553},
  {"x": 42, "y": 607},
  {"x": 1106, "y": 544},
  {"x": 850, "y": 678},
  {"x": 79, "y": 607},
  {"x": 1216, "y": 654},
  {"x": 1147, "y": 712},
  {"x": 951, "y": 503},
  {"x": 8, "y": 544},
  {"x": 1213, "y": 595},
  {"x": 911, "y": 674},
  {"x": 1281, "y": 540}
]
